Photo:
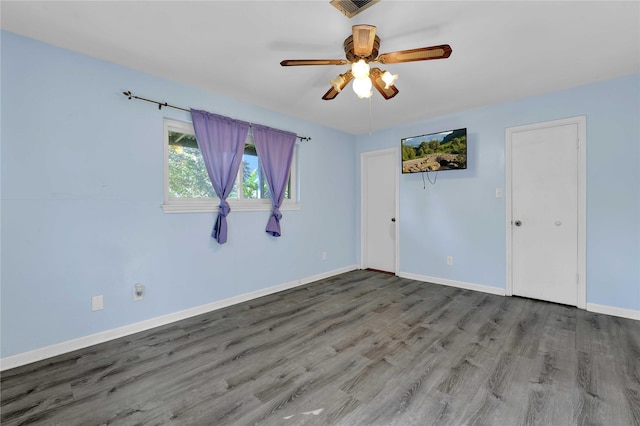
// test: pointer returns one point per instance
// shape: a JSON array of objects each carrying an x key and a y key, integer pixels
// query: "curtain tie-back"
[
  {"x": 273, "y": 225},
  {"x": 276, "y": 213},
  {"x": 220, "y": 228},
  {"x": 224, "y": 208}
]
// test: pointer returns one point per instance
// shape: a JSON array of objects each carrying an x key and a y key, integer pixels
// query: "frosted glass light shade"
[
  {"x": 389, "y": 79},
  {"x": 337, "y": 83},
  {"x": 362, "y": 87},
  {"x": 360, "y": 69}
]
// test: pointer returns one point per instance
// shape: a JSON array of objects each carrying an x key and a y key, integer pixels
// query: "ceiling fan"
[{"x": 361, "y": 49}]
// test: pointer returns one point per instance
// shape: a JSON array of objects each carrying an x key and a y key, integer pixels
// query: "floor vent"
[{"x": 352, "y": 7}]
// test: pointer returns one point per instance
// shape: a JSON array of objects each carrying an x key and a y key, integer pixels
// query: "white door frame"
[
  {"x": 363, "y": 204},
  {"x": 581, "y": 122}
]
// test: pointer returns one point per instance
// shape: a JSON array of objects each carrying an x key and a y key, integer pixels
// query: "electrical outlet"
[
  {"x": 499, "y": 192},
  {"x": 324, "y": 255},
  {"x": 138, "y": 292},
  {"x": 97, "y": 303},
  {"x": 449, "y": 260}
]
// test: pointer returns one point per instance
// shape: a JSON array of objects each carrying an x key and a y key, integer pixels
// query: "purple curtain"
[
  {"x": 275, "y": 152},
  {"x": 221, "y": 141}
]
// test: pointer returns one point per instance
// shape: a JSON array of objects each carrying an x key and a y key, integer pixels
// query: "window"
[{"x": 187, "y": 187}]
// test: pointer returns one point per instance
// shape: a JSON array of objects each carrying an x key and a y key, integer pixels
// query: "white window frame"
[{"x": 207, "y": 205}]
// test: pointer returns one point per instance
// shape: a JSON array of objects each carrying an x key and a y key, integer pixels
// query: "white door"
[
  {"x": 379, "y": 179},
  {"x": 545, "y": 214}
]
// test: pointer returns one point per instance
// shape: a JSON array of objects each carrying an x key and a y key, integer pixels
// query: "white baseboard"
[
  {"x": 452, "y": 283},
  {"x": 591, "y": 307},
  {"x": 104, "y": 336},
  {"x": 612, "y": 310},
  {"x": 329, "y": 274}
]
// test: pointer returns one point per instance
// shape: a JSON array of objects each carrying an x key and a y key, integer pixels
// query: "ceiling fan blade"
[
  {"x": 376, "y": 80},
  {"x": 339, "y": 83},
  {"x": 331, "y": 94},
  {"x": 420, "y": 54},
  {"x": 363, "y": 39},
  {"x": 298, "y": 62}
]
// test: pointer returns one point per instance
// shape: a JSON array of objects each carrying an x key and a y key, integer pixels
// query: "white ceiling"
[{"x": 501, "y": 50}]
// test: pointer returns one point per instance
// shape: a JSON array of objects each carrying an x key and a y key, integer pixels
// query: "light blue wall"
[
  {"x": 460, "y": 216},
  {"x": 82, "y": 185}
]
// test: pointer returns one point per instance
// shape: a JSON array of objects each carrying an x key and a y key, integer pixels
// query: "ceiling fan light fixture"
[
  {"x": 389, "y": 79},
  {"x": 361, "y": 48},
  {"x": 360, "y": 69},
  {"x": 362, "y": 87},
  {"x": 338, "y": 83}
]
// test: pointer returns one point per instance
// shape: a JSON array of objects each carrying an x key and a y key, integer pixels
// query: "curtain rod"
[{"x": 130, "y": 95}]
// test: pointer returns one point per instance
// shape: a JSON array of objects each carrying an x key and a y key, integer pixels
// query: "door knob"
[
  {"x": 393, "y": 219},
  {"x": 517, "y": 223}
]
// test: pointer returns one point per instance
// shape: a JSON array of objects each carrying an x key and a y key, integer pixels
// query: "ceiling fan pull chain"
[{"x": 370, "y": 115}]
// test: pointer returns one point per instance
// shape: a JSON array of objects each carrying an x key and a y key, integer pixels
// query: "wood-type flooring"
[{"x": 360, "y": 348}]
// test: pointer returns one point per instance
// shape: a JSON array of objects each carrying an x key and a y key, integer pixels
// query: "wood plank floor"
[{"x": 361, "y": 348}]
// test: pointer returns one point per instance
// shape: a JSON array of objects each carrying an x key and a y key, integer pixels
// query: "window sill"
[{"x": 209, "y": 206}]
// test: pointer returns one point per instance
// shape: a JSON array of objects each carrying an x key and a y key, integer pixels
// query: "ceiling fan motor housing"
[{"x": 351, "y": 56}]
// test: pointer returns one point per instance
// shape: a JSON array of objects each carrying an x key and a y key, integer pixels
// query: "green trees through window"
[{"x": 188, "y": 176}]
